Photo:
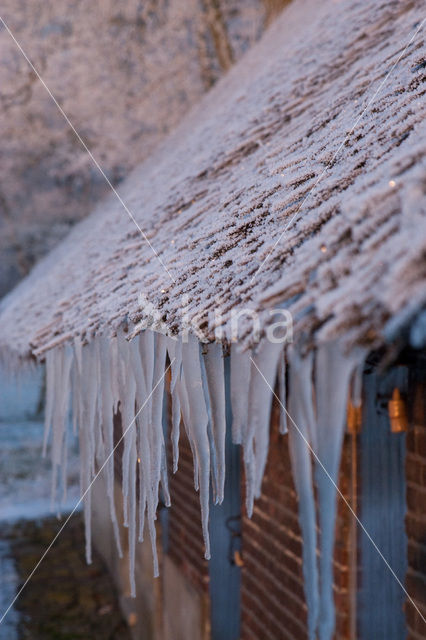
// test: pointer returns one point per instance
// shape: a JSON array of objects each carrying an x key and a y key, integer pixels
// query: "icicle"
[
  {"x": 65, "y": 468},
  {"x": 114, "y": 363},
  {"x": 90, "y": 380},
  {"x": 250, "y": 476},
  {"x": 146, "y": 347},
  {"x": 184, "y": 403},
  {"x": 85, "y": 492},
  {"x": 140, "y": 348},
  {"x": 74, "y": 394},
  {"x": 215, "y": 375},
  {"x": 132, "y": 514},
  {"x": 300, "y": 428},
  {"x": 262, "y": 383},
  {"x": 332, "y": 374},
  {"x": 124, "y": 387},
  {"x": 175, "y": 433},
  {"x": 174, "y": 348},
  {"x": 127, "y": 389},
  {"x": 159, "y": 453},
  {"x": 76, "y": 381},
  {"x": 213, "y": 457},
  {"x": 56, "y": 427},
  {"x": 240, "y": 380},
  {"x": 99, "y": 431},
  {"x": 80, "y": 407},
  {"x": 50, "y": 394},
  {"x": 88, "y": 395},
  {"x": 142, "y": 424},
  {"x": 282, "y": 394},
  {"x": 63, "y": 362},
  {"x": 198, "y": 427},
  {"x": 356, "y": 395},
  {"x": 210, "y": 435},
  {"x": 107, "y": 409}
]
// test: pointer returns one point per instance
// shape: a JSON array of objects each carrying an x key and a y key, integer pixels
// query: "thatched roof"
[
  {"x": 299, "y": 179},
  {"x": 167, "y": 54}
]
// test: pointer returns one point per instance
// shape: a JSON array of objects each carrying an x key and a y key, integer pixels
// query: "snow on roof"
[{"x": 299, "y": 180}]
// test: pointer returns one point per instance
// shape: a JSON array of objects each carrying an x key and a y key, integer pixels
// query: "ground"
[{"x": 65, "y": 599}]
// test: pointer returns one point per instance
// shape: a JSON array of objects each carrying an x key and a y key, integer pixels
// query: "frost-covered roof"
[{"x": 309, "y": 154}]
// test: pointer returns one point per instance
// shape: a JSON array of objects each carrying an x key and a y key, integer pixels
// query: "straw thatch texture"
[{"x": 277, "y": 164}]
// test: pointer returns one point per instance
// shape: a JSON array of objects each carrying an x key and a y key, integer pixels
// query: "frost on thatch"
[
  {"x": 268, "y": 166},
  {"x": 167, "y": 54},
  {"x": 298, "y": 183}
]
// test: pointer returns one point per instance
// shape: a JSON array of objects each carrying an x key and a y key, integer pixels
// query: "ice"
[
  {"x": 174, "y": 349},
  {"x": 50, "y": 391},
  {"x": 262, "y": 384},
  {"x": 63, "y": 362},
  {"x": 198, "y": 421},
  {"x": 107, "y": 411},
  {"x": 356, "y": 391},
  {"x": 118, "y": 374},
  {"x": 215, "y": 375},
  {"x": 132, "y": 516},
  {"x": 142, "y": 427},
  {"x": 282, "y": 391},
  {"x": 127, "y": 390},
  {"x": 300, "y": 428},
  {"x": 114, "y": 373},
  {"x": 240, "y": 380},
  {"x": 333, "y": 370},
  {"x": 184, "y": 404},
  {"x": 159, "y": 453},
  {"x": 87, "y": 402}
]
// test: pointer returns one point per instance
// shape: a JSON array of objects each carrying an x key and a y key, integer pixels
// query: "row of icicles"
[{"x": 111, "y": 374}]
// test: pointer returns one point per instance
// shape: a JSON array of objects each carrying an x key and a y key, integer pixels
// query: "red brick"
[
  {"x": 272, "y": 576},
  {"x": 416, "y": 515}
]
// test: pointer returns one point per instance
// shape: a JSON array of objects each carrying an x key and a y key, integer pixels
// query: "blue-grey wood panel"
[
  {"x": 225, "y": 577},
  {"x": 382, "y": 511}
]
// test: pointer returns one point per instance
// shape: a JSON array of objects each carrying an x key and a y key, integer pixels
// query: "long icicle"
[
  {"x": 160, "y": 469},
  {"x": 332, "y": 375},
  {"x": 301, "y": 411},
  {"x": 86, "y": 394},
  {"x": 240, "y": 380},
  {"x": 145, "y": 474},
  {"x": 215, "y": 375},
  {"x": 127, "y": 387},
  {"x": 174, "y": 349},
  {"x": 266, "y": 360},
  {"x": 184, "y": 404},
  {"x": 198, "y": 421},
  {"x": 132, "y": 513},
  {"x": 107, "y": 410},
  {"x": 282, "y": 394},
  {"x": 64, "y": 358},
  {"x": 50, "y": 394},
  {"x": 106, "y": 372},
  {"x": 57, "y": 428},
  {"x": 142, "y": 425}
]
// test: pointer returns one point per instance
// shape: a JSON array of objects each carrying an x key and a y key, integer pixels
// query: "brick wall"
[
  {"x": 186, "y": 546},
  {"x": 416, "y": 504},
  {"x": 272, "y": 596},
  {"x": 273, "y": 602}
]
